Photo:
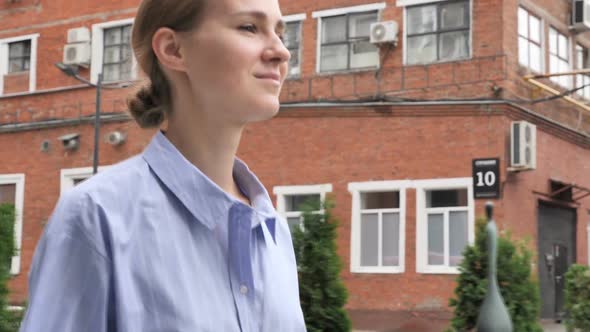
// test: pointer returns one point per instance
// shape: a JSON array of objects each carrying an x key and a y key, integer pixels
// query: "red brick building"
[{"x": 388, "y": 129}]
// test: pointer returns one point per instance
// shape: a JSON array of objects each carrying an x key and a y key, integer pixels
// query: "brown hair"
[{"x": 151, "y": 104}]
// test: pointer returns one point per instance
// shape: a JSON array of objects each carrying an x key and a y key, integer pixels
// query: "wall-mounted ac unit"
[
  {"x": 384, "y": 32},
  {"x": 77, "y": 54},
  {"x": 78, "y": 35},
  {"x": 580, "y": 15},
  {"x": 523, "y": 145}
]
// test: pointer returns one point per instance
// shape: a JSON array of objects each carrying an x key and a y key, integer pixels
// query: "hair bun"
[{"x": 146, "y": 107}]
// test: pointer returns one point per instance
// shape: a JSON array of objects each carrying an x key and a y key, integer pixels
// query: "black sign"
[{"x": 486, "y": 178}]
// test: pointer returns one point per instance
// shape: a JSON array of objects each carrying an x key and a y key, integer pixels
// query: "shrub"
[
  {"x": 321, "y": 290},
  {"x": 577, "y": 297},
  {"x": 519, "y": 290},
  {"x": 9, "y": 320}
]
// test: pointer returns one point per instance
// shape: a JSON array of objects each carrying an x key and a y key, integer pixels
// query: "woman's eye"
[{"x": 249, "y": 28}]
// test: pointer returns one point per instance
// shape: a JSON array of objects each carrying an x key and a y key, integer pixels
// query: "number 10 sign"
[{"x": 486, "y": 178}]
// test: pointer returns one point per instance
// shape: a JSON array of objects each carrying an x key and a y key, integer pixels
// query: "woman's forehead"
[{"x": 270, "y": 8}]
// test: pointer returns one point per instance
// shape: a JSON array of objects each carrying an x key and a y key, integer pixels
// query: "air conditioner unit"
[
  {"x": 78, "y": 35},
  {"x": 523, "y": 145},
  {"x": 580, "y": 15},
  {"x": 384, "y": 32},
  {"x": 77, "y": 54}
]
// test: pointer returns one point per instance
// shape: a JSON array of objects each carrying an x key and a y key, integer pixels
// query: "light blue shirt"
[{"x": 152, "y": 244}]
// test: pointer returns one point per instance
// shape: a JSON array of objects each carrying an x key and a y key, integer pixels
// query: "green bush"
[
  {"x": 517, "y": 286},
  {"x": 577, "y": 297},
  {"x": 321, "y": 290},
  {"x": 9, "y": 320}
]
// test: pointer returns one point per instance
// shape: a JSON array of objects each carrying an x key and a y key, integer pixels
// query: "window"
[
  {"x": 12, "y": 188},
  {"x": 559, "y": 54},
  {"x": 582, "y": 80},
  {"x": 291, "y": 198},
  {"x": 378, "y": 226},
  {"x": 529, "y": 40},
  {"x": 71, "y": 177},
  {"x": 445, "y": 223},
  {"x": 292, "y": 40},
  {"x": 111, "y": 52},
  {"x": 18, "y": 55},
  {"x": 343, "y": 38},
  {"x": 438, "y": 32}
]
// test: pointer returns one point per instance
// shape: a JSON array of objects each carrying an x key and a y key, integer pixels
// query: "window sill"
[
  {"x": 18, "y": 73},
  {"x": 439, "y": 270},
  {"x": 377, "y": 270},
  {"x": 347, "y": 71},
  {"x": 438, "y": 62}
]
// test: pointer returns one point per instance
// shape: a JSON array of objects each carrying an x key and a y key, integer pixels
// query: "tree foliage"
[
  {"x": 9, "y": 320},
  {"x": 577, "y": 297}
]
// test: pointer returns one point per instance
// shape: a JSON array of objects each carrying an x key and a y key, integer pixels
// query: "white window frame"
[
  {"x": 282, "y": 191},
  {"x": 422, "y": 222},
  {"x": 356, "y": 189},
  {"x": 379, "y": 6},
  {"x": 542, "y": 37},
  {"x": 19, "y": 181},
  {"x": 33, "y": 62},
  {"x": 407, "y": 3},
  {"x": 297, "y": 18},
  {"x": 98, "y": 48},
  {"x": 558, "y": 79},
  {"x": 69, "y": 175}
]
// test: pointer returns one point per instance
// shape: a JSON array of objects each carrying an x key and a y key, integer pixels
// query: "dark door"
[{"x": 557, "y": 243}]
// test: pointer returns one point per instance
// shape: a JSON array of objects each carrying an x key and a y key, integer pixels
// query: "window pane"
[
  {"x": 421, "y": 19},
  {"x": 369, "y": 239},
  {"x": 535, "y": 52},
  {"x": 390, "y": 239},
  {"x": 458, "y": 236},
  {"x": 15, "y": 66},
  {"x": 523, "y": 51},
  {"x": 380, "y": 200},
  {"x": 294, "y": 222},
  {"x": 112, "y": 36},
  {"x": 552, "y": 41},
  {"x": 446, "y": 198},
  {"x": 453, "y": 15},
  {"x": 291, "y": 36},
  {"x": 334, "y": 29},
  {"x": 421, "y": 49},
  {"x": 112, "y": 54},
  {"x": 26, "y": 64},
  {"x": 126, "y": 38},
  {"x": 453, "y": 45},
  {"x": 294, "y": 62},
  {"x": 436, "y": 251},
  {"x": 522, "y": 22},
  {"x": 563, "y": 45},
  {"x": 79, "y": 180},
  {"x": 534, "y": 29},
  {"x": 125, "y": 70},
  {"x": 363, "y": 54},
  {"x": 127, "y": 55},
  {"x": 111, "y": 73},
  {"x": 16, "y": 49},
  {"x": 8, "y": 193},
  {"x": 334, "y": 57},
  {"x": 295, "y": 202},
  {"x": 360, "y": 24}
]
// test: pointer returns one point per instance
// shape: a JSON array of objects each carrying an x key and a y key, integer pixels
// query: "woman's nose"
[{"x": 276, "y": 51}]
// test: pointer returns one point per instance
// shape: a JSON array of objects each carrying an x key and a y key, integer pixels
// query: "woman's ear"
[{"x": 166, "y": 46}]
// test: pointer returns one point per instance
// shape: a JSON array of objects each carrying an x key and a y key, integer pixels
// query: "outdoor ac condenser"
[
  {"x": 580, "y": 15},
  {"x": 523, "y": 145}
]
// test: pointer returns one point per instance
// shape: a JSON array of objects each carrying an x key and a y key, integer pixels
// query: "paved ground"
[{"x": 418, "y": 321}]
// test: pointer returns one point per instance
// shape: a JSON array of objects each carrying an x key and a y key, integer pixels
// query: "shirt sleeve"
[{"x": 70, "y": 279}]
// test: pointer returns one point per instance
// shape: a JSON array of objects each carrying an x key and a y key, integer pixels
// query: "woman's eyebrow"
[{"x": 259, "y": 15}]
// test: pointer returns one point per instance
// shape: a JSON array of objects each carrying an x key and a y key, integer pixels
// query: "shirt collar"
[{"x": 206, "y": 201}]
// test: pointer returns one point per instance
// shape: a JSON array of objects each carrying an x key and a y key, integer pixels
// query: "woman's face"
[{"x": 236, "y": 60}]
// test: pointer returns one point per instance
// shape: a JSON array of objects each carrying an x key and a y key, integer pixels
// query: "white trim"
[
  {"x": 68, "y": 175},
  {"x": 32, "y": 61},
  {"x": 98, "y": 48},
  {"x": 356, "y": 188},
  {"x": 19, "y": 181},
  {"x": 405, "y": 3},
  {"x": 282, "y": 191},
  {"x": 405, "y": 36},
  {"x": 347, "y": 10},
  {"x": 294, "y": 17},
  {"x": 421, "y": 220}
]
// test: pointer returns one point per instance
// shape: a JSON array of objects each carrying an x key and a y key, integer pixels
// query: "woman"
[{"x": 182, "y": 237}]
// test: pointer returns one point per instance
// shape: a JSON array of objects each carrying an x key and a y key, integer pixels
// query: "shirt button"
[{"x": 243, "y": 289}]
